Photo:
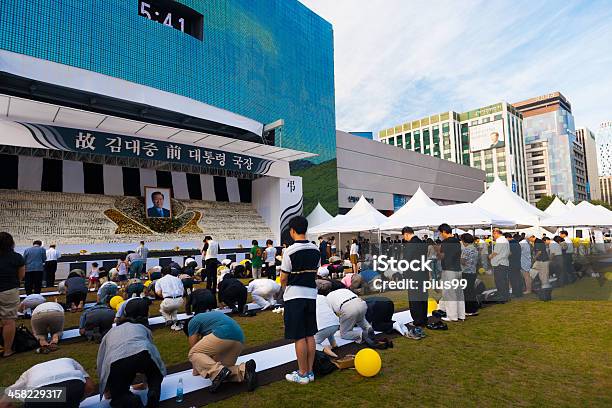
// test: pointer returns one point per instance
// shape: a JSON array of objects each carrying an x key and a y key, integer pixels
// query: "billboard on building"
[{"x": 487, "y": 136}]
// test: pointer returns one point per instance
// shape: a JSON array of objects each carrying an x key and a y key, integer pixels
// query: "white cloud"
[{"x": 397, "y": 60}]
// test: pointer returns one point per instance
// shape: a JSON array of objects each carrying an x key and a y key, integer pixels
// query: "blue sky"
[{"x": 397, "y": 60}]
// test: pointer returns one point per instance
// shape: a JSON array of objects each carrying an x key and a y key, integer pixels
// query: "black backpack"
[
  {"x": 322, "y": 364},
  {"x": 24, "y": 340}
]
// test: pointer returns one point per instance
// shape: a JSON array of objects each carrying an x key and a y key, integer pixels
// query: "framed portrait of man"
[{"x": 157, "y": 202}]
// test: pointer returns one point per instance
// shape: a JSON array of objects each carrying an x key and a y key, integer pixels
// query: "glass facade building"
[{"x": 266, "y": 60}]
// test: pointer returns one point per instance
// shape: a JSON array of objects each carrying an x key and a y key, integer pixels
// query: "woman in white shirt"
[
  {"x": 48, "y": 321},
  {"x": 327, "y": 324}
]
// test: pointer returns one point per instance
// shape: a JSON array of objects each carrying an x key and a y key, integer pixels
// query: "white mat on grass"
[
  {"x": 265, "y": 359},
  {"x": 72, "y": 333}
]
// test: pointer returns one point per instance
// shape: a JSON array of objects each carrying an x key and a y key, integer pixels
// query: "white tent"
[
  {"x": 318, "y": 216},
  {"x": 417, "y": 202},
  {"x": 362, "y": 217},
  {"x": 556, "y": 208},
  {"x": 584, "y": 214},
  {"x": 499, "y": 199},
  {"x": 570, "y": 205},
  {"x": 457, "y": 215}
]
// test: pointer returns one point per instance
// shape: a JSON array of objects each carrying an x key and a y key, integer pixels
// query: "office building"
[
  {"x": 604, "y": 149},
  {"x": 586, "y": 139},
  {"x": 554, "y": 158},
  {"x": 605, "y": 187},
  {"x": 488, "y": 138}
]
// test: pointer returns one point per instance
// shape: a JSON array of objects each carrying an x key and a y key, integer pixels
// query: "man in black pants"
[
  {"x": 128, "y": 350},
  {"x": 233, "y": 293},
  {"x": 200, "y": 301},
  {"x": 416, "y": 250},
  {"x": 516, "y": 278},
  {"x": 210, "y": 254}
]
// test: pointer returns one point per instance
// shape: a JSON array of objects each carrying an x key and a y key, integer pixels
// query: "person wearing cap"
[
  {"x": 126, "y": 351},
  {"x": 171, "y": 289},
  {"x": 264, "y": 292},
  {"x": 215, "y": 342},
  {"x": 233, "y": 293},
  {"x": 351, "y": 310}
]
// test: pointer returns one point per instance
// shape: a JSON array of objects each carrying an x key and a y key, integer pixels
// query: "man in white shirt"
[
  {"x": 264, "y": 292},
  {"x": 352, "y": 310},
  {"x": 59, "y": 373},
  {"x": 501, "y": 265},
  {"x": 354, "y": 255},
  {"x": 210, "y": 253},
  {"x": 171, "y": 289},
  {"x": 51, "y": 266}
]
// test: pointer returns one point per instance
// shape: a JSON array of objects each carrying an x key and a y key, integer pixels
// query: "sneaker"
[
  {"x": 411, "y": 334},
  {"x": 419, "y": 332},
  {"x": 475, "y": 313},
  {"x": 245, "y": 309},
  {"x": 311, "y": 376},
  {"x": 297, "y": 378},
  {"x": 250, "y": 374},
  {"x": 219, "y": 379}
]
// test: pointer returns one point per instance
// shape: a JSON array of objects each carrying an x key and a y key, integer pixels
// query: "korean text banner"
[
  {"x": 487, "y": 136},
  {"x": 108, "y": 144}
]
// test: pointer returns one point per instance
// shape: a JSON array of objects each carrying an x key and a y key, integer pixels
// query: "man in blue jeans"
[
  {"x": 34, "y": 258},
  {"x": 298, "y": 274}
]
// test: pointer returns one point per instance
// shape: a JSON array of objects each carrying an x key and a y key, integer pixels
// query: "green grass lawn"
[{"x": 523, "y": 353}]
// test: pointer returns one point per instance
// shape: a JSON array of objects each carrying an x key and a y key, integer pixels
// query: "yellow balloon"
[
  {"x": 431, "y": 305},
  {"x": 481, "y": 270},
  {"x": 147, "y": 283},
  {"x": 368, "y": 362},
  {"x": 278, "y": 280},
  {"x": 114, "y": 302},
  {"x": 608, "y": 275}
]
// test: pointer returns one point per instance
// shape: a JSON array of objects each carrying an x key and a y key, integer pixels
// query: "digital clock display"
[{"x": 173, "y": 14}]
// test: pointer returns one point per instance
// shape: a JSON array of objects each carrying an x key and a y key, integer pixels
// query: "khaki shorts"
[
  {"x": 9, "y": 302},
  {"x": 354, "y": 259}
]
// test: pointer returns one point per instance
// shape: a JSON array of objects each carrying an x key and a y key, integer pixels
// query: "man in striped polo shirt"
[{"x": 298, "y": 273}]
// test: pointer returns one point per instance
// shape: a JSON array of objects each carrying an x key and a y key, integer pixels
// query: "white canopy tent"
[
  {"x": 556, "y": 208},
  {"x": 362, "y": 217},
  {"x": 499, "y": 199},
  {"x": 570, "y": 205},
  {"x": 417, "y": 202},
  {"x": 584, "y": 214},
  {"x": 457, "y": 215},
  {"x": 318, "y": 216}
]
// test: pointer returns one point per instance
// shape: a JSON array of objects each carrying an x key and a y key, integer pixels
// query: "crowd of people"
[{"x": 318, "y": 294}]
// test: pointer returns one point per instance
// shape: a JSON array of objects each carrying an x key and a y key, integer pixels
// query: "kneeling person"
[
  {"x": 96, "y": 321},
  {"x": 264, "y": 292},
  {"x": 352, "y": 310},
  {"x": 215, "y": 342},
  {"x": 59, "y": 373},
  {"x": 171, "y": 289},
  {"x": 232, "y": 293}
]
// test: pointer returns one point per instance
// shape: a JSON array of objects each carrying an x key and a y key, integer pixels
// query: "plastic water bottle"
[{"x": 179, "y": 390}]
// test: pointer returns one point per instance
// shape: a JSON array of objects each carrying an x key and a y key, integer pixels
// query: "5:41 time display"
[{"x": 172, "y": 14}]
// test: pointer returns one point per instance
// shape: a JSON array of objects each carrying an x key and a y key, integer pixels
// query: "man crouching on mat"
[
  {"x": 127, "y": 350},
  {"x": 215, "y": 342}
]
